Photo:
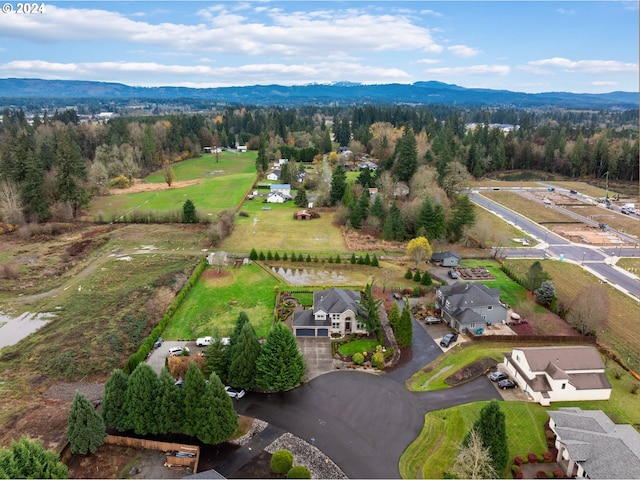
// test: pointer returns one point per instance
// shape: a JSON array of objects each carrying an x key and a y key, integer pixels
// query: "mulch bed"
[{"x": 471, "y": 372}]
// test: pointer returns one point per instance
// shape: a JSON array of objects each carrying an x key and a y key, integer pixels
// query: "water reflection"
[{"x": 311, "y": 276}]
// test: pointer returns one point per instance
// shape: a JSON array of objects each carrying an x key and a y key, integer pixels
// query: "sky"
[{"x": 542, "y": 46}]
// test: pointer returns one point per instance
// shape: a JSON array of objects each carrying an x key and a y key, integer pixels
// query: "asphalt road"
[{"x": 597, "y": 260}]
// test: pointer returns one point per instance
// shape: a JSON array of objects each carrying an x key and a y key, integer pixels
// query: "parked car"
[
  {"x": 158, "y": 342},
  {"x": 233, "y": 393},
  {"x": 179, "y": 383},
  {"x": 204, "y": 341},
  {"x": 573, "y": 191},
  {"x": 175, "y": 351},
  {"x": 453, "y": 274},
  {"x": 498, "y": 376},
  {"x": 507, "y": 383},
  {"x": 448, "y": 339},
  {"x": 431, "y": 320}
]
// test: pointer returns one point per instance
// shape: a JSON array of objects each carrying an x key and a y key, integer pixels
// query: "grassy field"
[
  {"x": 276, "y": 230},
  {"x": 629, "y": 264},
  {"x": 221, "y": 186},
  {"x": 526, "y": 207},
  {"x": 621, "y": 332},
  {"x": 434, "y": 451},
  {"x": 216, "y": 300}
]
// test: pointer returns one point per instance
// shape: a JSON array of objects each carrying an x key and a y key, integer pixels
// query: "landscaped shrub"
[
  {"x": 261, "y": 256},
  {"x": 338, "y": 260},
  {"x": 416, "y": 276},
  {"x": 358, "y": 358},
  {"x": 284, "y": 256},
  {"x": 540, "y": 458},
  {"x": 558, "y": 473},
  {"x": 308, "y": 259},
  {"x": 299, "y": 471},
  {"x": 532, "y": 457},
  {"x": 353, "y": 259},
  {"x": 518, "y": 474},
  {"x": 408, "y": 275},
  {"x": 515, "y": 467},
  {"x": 374, "y": 261},
  {"x": 300, "y": 258},
  {"x": 281, "y": 461},
  {"x": 377, "y": 360},
  {"x": 541, "y": 474},
  {"x": 550, "y": 475},
  {"x": 253, "y": 255},
  {"x": 547, "y": 457},
  {"x": 518, "y": 461},
  {"x": 119, "y": 182},
  {"x": 330, "y": 259},
  {"x": 276, "y": 256},
  {"x": 269, "y": 255}
]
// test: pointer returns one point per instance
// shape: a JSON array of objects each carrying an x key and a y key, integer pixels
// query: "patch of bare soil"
[
  {"x": 471, "y": 371},
  {"x": 363, "y": 242},
  {"x": 213, "y": 274},
  {"x": 139, "y": 187}
]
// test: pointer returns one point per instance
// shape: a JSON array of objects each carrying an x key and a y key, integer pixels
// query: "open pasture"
[
  {"x": 272, "y": 227},
  {"x": 220, "y": 186}
]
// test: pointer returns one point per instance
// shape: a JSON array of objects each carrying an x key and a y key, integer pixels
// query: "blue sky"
[{"x": 514, "y": 45}]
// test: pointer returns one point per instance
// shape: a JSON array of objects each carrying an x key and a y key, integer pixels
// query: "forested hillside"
[{"x": 51, "y": 166}]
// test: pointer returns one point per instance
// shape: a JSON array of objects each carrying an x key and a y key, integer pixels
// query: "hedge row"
[{"x": 147, "y": 345}]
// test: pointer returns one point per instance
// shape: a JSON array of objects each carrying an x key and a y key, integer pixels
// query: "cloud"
[
  {"x": 584, "y": 66},
  {"x": 156, "y": 74},
  {"x": 297, "y": 34},
  {"x": 463, "y": 51},
  {"x": 605, "y": 84},
  {"x": 470, "y": 70},
  {"x": 563, "y": 11},
  {"x": 433, "y": 13},
  {"x": 426, "y": 61}
]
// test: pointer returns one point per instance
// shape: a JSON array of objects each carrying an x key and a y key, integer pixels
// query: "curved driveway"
[{"x": 364, "y": 422}]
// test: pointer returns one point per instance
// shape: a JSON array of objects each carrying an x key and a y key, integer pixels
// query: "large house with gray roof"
[
  {"x": 470, "y": 306},
  {"x": 335, "y": 311},
  {"x": 590, "y": 445},
  {"x": 559, "y": 373}
]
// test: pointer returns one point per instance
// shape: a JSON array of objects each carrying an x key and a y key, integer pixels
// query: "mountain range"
[{"x": 337, "y": 94}]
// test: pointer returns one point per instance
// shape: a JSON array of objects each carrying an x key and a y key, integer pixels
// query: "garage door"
[
  {"x": 323, "y": 332},
  {"x": 305, "y": 332}
]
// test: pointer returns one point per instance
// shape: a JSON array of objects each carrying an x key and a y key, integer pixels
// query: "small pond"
[
  {"x": 14, "y": 329},
  {"x": 312, "y": 276}
]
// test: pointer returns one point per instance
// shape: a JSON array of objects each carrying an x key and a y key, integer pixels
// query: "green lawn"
[
  {"x": 362, "y": 345},
  {"x": 221, "y": 186},
  {"x": 434, "y": 451},
  {"x": 276, "y": 230},
  {"x": 215, "y": 302}
]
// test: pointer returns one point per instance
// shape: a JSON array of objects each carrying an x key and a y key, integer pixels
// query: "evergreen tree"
[
  {"x": 280, "y": 365},
  {"x": 426, "y": 279},
  {"x": 300, "y": 258},
  {"x": 235, "y": 335},
  {"x": 28, "y": 459},
  {"x": 261, "y": 256},
  {"x": 408, "y": 275},
  {"x": 217, "y": 355},
  {"x": 195, "y": 403},
  {"x": 169, "y": 408},
  {"x": 269, "y": 255},
  {"x": 353, "y": 259},
  {"x": 366, "y": 179},
  {"x": 416, "y": 276},
  {"x": 431, "y": 219},
  {"x": 360, "y": 210},
  {"x": 546, "y": 293},
  {"x": 338, "y": 259},
  {"x": 219, "y": 419},
  {"x": 463, "y": 216},
  {"x": 367, "y": 259},
  {"x": 113, "y": 411},
  {"x": 262, "y": 161},
  {"x": 393, "y": 228},
  {"x": 535, "y": 276},
  {"x": 377, "y": 209},
  {"x": 189, "y": 212},
  {"x": 308, "y": 258},
  {"x": 338, "y": 185},
  {"x": 276, "y": 256},
  {"x": 32, "y": 189},
  {"x": 140, "y": 396},
  {"x": 70, "y": 173},
  {"x": 284, "y": 257},
  {"x": 492, "y": 430},
  {"x": 85, "y": 427},
  {"x": 407, "y": 162},
  {"x": 374, "y": 261},
  {"x": 253, "y": 255},
  {"x": 242, "y": 369},
  {"x": 394, "y": 315},
  {"x": 404, "y": 328},
  {"x": 371, "y": 306},
  {"x": 326, "y": 142},
  {"x": 301, "y": 198}
]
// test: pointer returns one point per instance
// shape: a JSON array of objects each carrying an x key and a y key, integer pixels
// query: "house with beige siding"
[
  {"x": 335, "y": 311},
  {"x": 559, "y": 373}
]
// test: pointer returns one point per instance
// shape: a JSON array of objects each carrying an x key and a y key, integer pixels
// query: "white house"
[
  {"x": 590, "y": 445},
  {"x": 241, "y": 148},
  {"x": 335, "y": 311},
  {"x": 559, "y": 373},
  {"x": 277, "y": 197},
  {"x": 284, "y": 188},
  {"x": 275, "y": 175}
]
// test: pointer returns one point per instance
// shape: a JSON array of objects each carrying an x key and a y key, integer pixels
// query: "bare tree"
[
  {"x": 589, "y": 310},
  {"x": 169, "y": 175},
  {"x": 10, "y": 203},
  {"x": 474, "y": 460}
]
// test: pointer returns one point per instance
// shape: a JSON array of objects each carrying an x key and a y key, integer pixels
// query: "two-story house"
[
  {"x": 559, "y": 373},
  {"x": 335, "y": 311},
  {"x": 470, "y": 306}
]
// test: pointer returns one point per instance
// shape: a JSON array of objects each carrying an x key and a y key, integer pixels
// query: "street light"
[{"x": 583, "y": 254}]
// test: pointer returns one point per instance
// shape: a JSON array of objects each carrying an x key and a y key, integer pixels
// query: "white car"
[
  {"x": 175, "y": 351},
  {"x": 204, "y": 341},
  {"x": 233, "y": 393}
]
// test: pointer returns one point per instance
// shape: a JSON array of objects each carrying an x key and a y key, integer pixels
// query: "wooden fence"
[
  {"x": 534, "y": 339},
  {"x": 140, "y": 443}
]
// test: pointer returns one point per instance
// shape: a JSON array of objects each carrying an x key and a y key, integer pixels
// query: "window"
[
  {"x": 489, "y": 307},
  {"x": 563, "y": 386},
  {"x": 335, "y": 325}
]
